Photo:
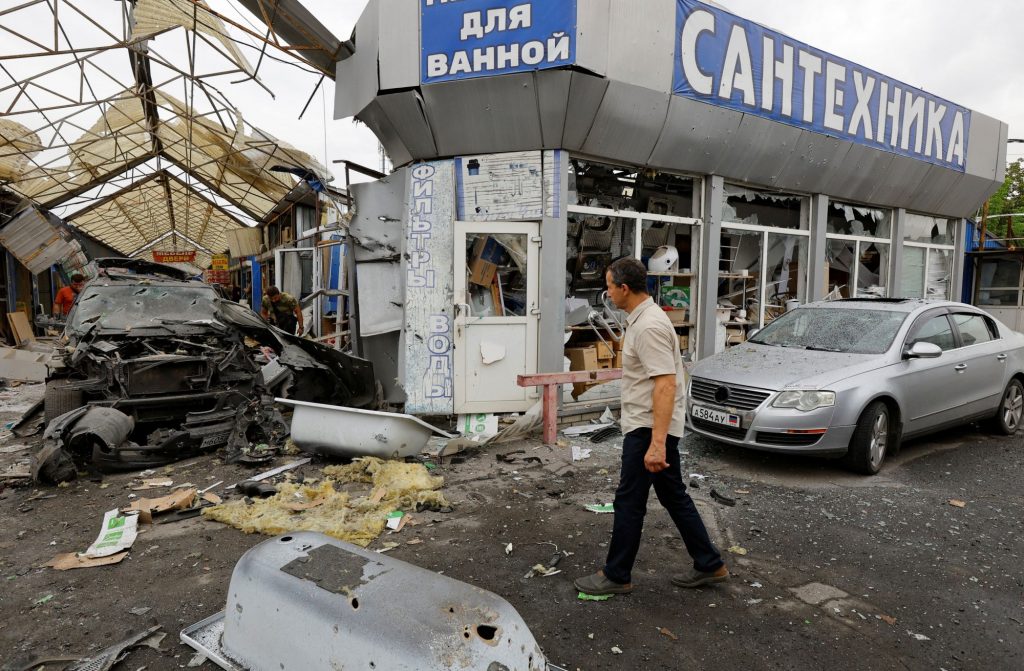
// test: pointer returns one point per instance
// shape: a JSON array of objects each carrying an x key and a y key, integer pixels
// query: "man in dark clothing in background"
[{"x": 282, "y": 310}]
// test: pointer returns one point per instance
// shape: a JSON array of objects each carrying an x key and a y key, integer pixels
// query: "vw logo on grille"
[{"x": 722, "y": 394}]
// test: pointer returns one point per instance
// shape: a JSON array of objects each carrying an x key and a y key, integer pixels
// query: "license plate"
[
  {"x": 716, "y": 416},
  {"x": 214, "y": 439}
]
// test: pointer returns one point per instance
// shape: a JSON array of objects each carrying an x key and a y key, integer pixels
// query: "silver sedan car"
[{"x": 852, "y": 378}]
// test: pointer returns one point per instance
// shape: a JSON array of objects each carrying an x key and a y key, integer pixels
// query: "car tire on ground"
[
  {"x": 1010, "y": 414},
  {"x": 58, "y": 399},
  {"x": 871, "y": 440}
]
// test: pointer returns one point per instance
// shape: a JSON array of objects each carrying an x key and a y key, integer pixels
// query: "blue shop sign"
[
  {"x": 724, "y": 60},
  {"x": 461, "y": 39}
]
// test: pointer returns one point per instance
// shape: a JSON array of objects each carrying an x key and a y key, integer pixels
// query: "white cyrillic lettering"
[
  {"x": 781, "y": 70},
  {"x": 834, "y": 94},
  {"x": 460, "y": 63},
  {"x": 956, "y": 140},
  {"x": 519, "y": 17},
  {"x": 483, "y": 59},
  {"x": 508, "y": 56},
  {"x": 700, "y": 21},
  {"x": 888, "y": 108},
  {"x": 472, "y": 25},
  {"x": 811, "y": 65},
  {"x": 423, "y": 170},
  {"x": 497, "y": 19},
  {"x": 437, "y": 65},
  {"x": 864, "y": 86},
  {"x": 558, "y": 47},
  {"x": 913, "y": 118},
  {"x": 533, "y": 52},
  {"x": 936, "y": 112},
  {"x": 737, "y": 71}
]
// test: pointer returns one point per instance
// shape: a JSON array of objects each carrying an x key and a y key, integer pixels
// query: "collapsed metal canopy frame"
[{"x": 93, "y": 117}]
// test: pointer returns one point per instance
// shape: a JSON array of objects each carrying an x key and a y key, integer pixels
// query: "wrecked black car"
[{"x": 190, "y": 371}]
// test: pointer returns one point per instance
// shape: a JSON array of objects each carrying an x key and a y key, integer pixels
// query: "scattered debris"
[
  {"x": 117, "y": 534},
  {"x": 605, "y": 434},
  {"x": 665, "y": 632},
  {"x": 395, "y": 520},
  {"x": 580, "y": 453},
  {"x": 141, "y": 610},
  {"x": 724, "y": 500},
  {"x": 741, "y": 491},
  {"x": 540, "y": 569},
  {"x": 583, "y": 596},
  {"x": 395, "y": 486},
  {"x": 600, "y": 507},
  {"x": 737, "y": 550},
  {"x": 275, "y": 471},
  {"x": 148, "y": 508},
  {"x": 957, "y": 503},
  {"x": 616, "y": 650},
  {"x": 107, "y": 658},
  {"x": 918, "y": 637},
  {"x": 585, "y": 429},
  {"x": 508, "y": 549},
  {"x": 72, "y": 560},
  {"x": 43, "y": 599},
  {"x": 153, "y": 483},
  {"x": 198, "y": 659},
  {"x": 888, "y": 619}
]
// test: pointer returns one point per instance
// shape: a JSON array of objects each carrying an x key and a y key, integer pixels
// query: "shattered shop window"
[
  {"x": 744, "y": 205},
  {"x": 496, "y": 274},
  {"x": 922, "y": 228},
  {"x": 630, "y": 189},
  {"x": 845, "y": 219}
]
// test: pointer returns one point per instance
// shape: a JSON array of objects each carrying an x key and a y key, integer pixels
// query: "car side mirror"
[{"x": 923, "y": 350}]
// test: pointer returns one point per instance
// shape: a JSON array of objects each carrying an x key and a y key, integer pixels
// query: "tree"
[{"x": 1008, "y": 199}]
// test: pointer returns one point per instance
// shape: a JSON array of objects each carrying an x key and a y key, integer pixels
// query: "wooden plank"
[
  {"x": 20, "y": 327},
  {"x": 570, "y": 377}
]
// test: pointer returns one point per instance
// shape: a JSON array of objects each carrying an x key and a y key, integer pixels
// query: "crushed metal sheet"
[{"x": 321, "y": 507}]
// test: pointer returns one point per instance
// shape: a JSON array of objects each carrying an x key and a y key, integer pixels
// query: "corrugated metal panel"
[
  {"x": 400, "y": 40},
  {"x": 405, "y": 111},
  {"x": 628, "y": 123},
  {"x": 585, "y": 95},
  {"x": 356, "y": 76},
  {"x": 693, "y": 136},
  {"x": 36, "y": 242},
  {"x": 986, "y": 137},
  {"x": 484, "y": 115},
  {"x": 553, "y": 99},
  {"x": 377, "y": 221},
  {"x": 592, "y": 35},
  {"x": 641, "y": 43},
  {"x": 377, "y": 121},
  {"x": 757, "y": 150}
]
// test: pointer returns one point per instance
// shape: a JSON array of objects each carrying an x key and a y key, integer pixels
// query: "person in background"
[
  {"x": 653, "y": 414},
  {"x": 236, "y": 293},
  {"x": 282, "y": 310},
  {"x": 67, "y": 295}
]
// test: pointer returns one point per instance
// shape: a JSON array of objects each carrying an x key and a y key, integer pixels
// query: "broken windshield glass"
[
  {"x": 846, "y": 330},
  {"x": 124, "y": 307}
]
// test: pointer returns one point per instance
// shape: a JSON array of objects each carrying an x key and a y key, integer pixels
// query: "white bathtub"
[{"x": 338, "y": 431}]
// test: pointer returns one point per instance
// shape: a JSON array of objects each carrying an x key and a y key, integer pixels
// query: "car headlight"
[{"x": 805, "y": 400}]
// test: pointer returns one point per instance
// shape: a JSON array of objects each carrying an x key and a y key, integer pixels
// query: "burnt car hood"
[{"x": 776, "y": 368}]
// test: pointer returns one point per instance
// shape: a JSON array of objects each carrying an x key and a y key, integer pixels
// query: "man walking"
[
  {"x": 653, "y": 413},
  {"x": 66, "y": 296},
  {"x": 282, "y": 310}
]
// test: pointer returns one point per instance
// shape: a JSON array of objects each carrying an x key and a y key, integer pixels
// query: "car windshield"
[
  {"x": 853, "y": 331},
  {"x": 128, "y": 306}
]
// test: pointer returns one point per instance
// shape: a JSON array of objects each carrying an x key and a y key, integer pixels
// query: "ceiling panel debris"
[{"x": 113, "y": 114}]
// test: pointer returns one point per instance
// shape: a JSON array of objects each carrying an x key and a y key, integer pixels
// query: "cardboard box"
[
  {"x": 677, "y": 316},
  {"x": 483, "y": 266},
  {"x": 604, "y": 351},
  {"x": 617, "y": 361},
  {"x": 582, "y": 358}
]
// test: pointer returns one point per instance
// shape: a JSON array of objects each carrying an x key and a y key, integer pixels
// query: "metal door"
[{"x": 496, "y": 314}]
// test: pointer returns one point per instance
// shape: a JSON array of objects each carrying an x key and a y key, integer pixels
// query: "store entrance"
[{"x": 497, "y": 315}]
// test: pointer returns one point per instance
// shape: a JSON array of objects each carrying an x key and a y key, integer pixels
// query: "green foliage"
[{"x": 1009, "y": 198}]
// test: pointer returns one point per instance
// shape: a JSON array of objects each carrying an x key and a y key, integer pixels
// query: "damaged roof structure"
[{"x": 114, "y": 117}]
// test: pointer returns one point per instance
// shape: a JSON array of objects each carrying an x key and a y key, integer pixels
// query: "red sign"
[
  {"x": 217, "y": 277},
  {"x": 174, "y": 257}
]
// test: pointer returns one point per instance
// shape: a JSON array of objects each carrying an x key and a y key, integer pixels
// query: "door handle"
[
  {"x": 466, "y": 307},
  {"x": 960, "y": 367},
  {"x": 1000, "y": 357}
]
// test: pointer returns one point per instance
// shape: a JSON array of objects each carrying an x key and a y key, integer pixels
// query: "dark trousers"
[
  {"x": 286, "y": 323},
  {"x": 631, "y": 506}
]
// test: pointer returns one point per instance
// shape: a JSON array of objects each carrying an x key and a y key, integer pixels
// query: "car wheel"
[
  {"x": 1010, "y": 415},
  {"x": 871, "y": 440},
  {"x": 58, "y": 399}
]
